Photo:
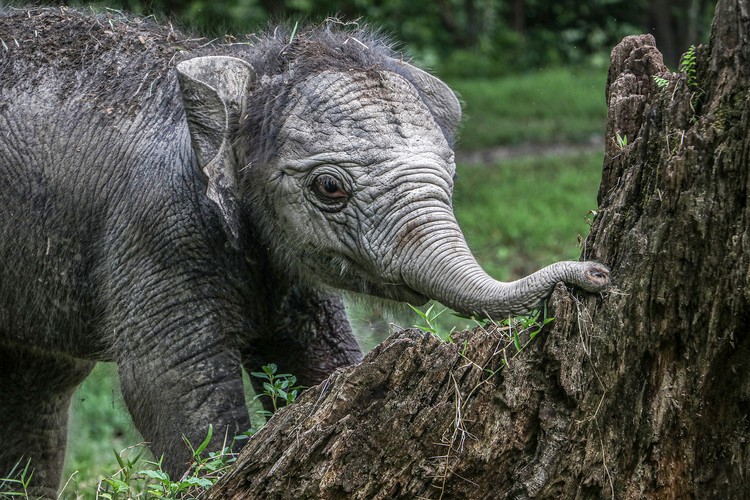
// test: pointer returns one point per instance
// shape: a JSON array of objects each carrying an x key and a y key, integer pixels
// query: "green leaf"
[
  {"x": 155, "y": 474},
  {"x": 294, "y": 31},
  {"x": 660, "y": 82},
  {"x": 419, "y": 313},
  {"x": 270, "y": 369},
  {"x": 216, "y": 464},
  {"x": 622, "y": 140},
  {"x": 119, "y": 459},
  {"x": 117, "y": 485},
  {"x": 205, "y": 441},
  {"x": 244, "y": 435},
  {"x": 516, "y": 340},
  {"x": 197, "y": 481}
]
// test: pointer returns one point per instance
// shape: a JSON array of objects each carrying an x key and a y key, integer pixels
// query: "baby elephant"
[{"x": 186, "y": 209}]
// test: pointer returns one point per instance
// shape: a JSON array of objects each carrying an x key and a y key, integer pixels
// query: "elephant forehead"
[{"x": 362, "y": 113}]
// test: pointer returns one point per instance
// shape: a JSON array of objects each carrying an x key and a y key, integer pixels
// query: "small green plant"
[
  {"x": 138, "y": 478},
  {"x": 621, "y": 140},
  {"x": 687, "y": 65},
  {"x": 294, "y": 31},
  {"x": 17, "y": 482},
  {"x": 662, "y": 83},
  {"x": 203, "y": 472},
  {"x": 530, "y": 325},
  {"x": 520, "y": 331},
  {"x": 280, "y": 388},
  {"x": 133, "y": 482},
  {"x": 429, "y": 318},
  {"x": 119, "y": 484}
]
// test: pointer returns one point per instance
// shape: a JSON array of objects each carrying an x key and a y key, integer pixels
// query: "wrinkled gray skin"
[{"x": 185, "y": 210}]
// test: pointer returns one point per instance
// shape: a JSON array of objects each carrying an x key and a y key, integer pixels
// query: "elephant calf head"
[{"x": 342, "y": 155}]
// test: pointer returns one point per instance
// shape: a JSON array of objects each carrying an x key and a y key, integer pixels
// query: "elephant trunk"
[{"x": 439, "y": 265}]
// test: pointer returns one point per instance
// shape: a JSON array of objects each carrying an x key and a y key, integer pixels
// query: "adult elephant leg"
[
  {"x": 179, "y": 389},
  {"x": 35, "y": 393},
  {"x": 310, "y": 339}
]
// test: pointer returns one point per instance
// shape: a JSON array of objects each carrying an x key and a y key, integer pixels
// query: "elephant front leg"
[
  {"x": 310, "y": 339},
  {"x": 35, "y": 393},
  {"x": 174, "y": 392}
]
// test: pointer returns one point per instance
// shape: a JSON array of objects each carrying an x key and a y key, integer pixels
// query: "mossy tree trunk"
[{"x": 644, "y": 392}]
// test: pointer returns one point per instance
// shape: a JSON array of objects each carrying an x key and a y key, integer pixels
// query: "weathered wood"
[
  {"x": 642, "y": 393},
  {"x": 412, "y": 419}
]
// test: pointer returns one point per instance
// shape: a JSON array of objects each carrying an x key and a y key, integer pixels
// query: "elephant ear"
[
  {"x": 213, "y": 91},
  {"x": 443, "y": 103}
]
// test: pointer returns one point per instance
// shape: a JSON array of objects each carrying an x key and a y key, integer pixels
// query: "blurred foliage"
[
  {"x": 464, "y": 38},
  {"x": 552, "y": 106}
]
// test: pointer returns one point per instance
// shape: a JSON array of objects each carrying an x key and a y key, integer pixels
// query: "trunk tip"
[{"x": 594, "y": 277}]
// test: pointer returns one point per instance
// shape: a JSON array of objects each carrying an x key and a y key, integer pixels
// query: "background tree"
[
  {"x": 466, "y": 37},
  {"x": 676, "y": 24},
  {"x": 644, "y": 393}
]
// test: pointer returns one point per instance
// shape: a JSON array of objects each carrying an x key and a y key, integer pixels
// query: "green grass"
[
  {"x": 100, "y": 426},
  {"x": 549, "y": 106},
  {"x": 517, "y": 215},
  {"x": 99, "y": 423}
]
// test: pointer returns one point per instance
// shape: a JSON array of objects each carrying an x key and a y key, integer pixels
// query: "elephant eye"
[{"x": 330, "y": 188}]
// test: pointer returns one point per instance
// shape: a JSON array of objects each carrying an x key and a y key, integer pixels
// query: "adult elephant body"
[{"x": 182, "y": 209}]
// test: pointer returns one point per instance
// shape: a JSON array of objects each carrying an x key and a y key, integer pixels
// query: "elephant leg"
[
  {"x": 35, "y": 393},
  {"x": 310, "y": 339},
  {"x": 172, "y": 393}
]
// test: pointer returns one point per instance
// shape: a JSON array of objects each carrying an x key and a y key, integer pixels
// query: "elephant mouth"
[
  {"x": 358, "y": 279},
  {"x": 399, "y": 293}
]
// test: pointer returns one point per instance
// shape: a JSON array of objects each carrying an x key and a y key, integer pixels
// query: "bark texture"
[{"x": 642, "y": 393}]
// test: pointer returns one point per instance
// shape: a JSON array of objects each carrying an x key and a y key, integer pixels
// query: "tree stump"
[{"x": 644, "y": 392}]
